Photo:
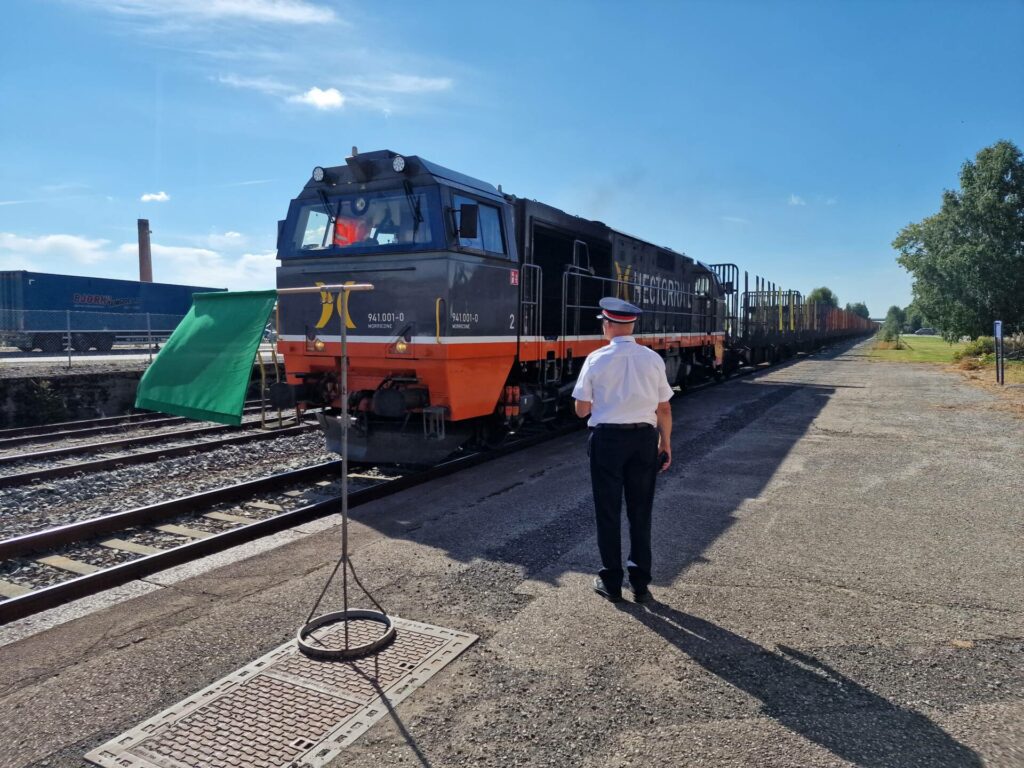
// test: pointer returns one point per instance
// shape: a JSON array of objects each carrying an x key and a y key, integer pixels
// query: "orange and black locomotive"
[{"x": 484, "y": 306}]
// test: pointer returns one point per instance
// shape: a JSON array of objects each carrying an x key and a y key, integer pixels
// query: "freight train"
[
  {"x": 47, "y": 312},
  {"x": 485, "y": 306}
]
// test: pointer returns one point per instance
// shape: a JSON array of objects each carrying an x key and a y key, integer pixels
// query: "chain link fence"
[{"x": 44, "y": 332}]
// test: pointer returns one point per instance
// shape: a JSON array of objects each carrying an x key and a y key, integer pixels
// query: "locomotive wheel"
[
  {"x": 497, "y": 440},
  {"x": 104, "y": 342},
  {"x": 81, "y": 342},
  {"x": 493, "y": 433}
]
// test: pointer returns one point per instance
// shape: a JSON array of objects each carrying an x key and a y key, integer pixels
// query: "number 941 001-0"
[{"x": 385, "y": 317}]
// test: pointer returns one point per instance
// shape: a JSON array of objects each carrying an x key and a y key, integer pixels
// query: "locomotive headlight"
[
  {"x": 318, "y": 174},
  {"x": 401, "y": 347},
  {"x": 319, "y": 345},
  {"x": 398, "y": 163}
]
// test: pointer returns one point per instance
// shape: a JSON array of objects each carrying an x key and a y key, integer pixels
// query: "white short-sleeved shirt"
[{"x": 624, "y": 382}]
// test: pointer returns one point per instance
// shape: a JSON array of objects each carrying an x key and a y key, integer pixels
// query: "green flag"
[{"x": 203, "y": 370}]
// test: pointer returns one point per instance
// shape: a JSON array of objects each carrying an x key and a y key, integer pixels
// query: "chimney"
[{"x": 145, "y": 256}]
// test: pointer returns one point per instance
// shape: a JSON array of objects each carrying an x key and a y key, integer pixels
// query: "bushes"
[{"x": 983, "y": 345}]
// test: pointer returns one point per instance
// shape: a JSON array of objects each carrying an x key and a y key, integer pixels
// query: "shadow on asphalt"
[
  {"x": 798, "y": 691},
  {"x": 752, "y": 459},
  {"x": 810, "y": 698}
]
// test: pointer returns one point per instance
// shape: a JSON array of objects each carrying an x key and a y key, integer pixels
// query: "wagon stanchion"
[
  {"x": 308, "y": 643},
  {"x": 263, "y": 391},
  {"x": 67, "y": 312},
  {"x": 997, "y": 333}
]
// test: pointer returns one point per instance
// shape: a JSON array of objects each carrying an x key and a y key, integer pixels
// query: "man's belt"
[{"x": 637, "y": 425}]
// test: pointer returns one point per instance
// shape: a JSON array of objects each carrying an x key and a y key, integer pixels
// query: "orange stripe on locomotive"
[{"x": 465, "y": 377}]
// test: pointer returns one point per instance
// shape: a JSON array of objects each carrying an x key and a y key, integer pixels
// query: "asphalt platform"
[{"x": 839, "y": 580}]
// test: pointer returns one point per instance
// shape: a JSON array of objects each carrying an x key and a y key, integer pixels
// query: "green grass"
[{"x": 917, "y": 349}]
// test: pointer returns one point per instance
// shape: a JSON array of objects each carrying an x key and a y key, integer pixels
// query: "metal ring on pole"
[{"x": 350, "y": 652}]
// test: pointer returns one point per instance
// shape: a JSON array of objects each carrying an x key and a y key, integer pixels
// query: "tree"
[
  {"x": 893, "y": 325},
  {"x": 915, "y": 318},
  {"x": 859, "y": 308},
  {"x": 967, "y": 260},
  {"x": 823, "y": 295}
]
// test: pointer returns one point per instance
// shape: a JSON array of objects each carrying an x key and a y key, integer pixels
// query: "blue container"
[{"x": 36, "y": 309}]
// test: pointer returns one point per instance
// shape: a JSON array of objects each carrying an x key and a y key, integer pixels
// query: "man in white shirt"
[{"x": 624, "y": 390}]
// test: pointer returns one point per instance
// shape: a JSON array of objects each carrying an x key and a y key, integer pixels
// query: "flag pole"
[{"x": 308, "y": 644}]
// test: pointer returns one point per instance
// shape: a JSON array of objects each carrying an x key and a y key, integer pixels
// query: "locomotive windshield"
[{"x": 366, "y": 222}]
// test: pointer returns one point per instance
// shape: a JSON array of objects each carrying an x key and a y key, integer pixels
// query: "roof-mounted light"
[
  {"x": 398, "y": 163},
  {"x": 320, "y": 175}
]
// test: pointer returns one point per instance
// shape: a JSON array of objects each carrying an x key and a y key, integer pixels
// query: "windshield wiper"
[
  {"x": 332, "y": 216},
  {"x": 414, "y": 204}
]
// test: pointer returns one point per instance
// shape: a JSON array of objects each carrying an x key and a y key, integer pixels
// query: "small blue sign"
[{"x": 998, "y": 329}]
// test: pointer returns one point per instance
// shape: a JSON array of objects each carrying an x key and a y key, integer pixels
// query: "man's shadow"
[{"x": 810, "y": 698}]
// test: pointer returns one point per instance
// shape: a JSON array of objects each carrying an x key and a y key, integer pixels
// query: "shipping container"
[{"x": 48, "y": 312}]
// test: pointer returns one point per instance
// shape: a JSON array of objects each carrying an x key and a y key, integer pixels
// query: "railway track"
[
  {"x": 50, "y": 549},
  {"x": 109, "y": 462},
  {"x": 70, "y": 430}
]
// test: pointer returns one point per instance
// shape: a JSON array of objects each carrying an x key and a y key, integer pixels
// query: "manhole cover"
[{"x": 286, "y": 710}]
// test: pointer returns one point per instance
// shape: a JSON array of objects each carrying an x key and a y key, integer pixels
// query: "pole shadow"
[
  {"x": 409, "y": 739},
  {"x": 810, "y": 698}
]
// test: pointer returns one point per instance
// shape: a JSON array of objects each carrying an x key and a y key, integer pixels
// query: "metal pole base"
[{"x": 323, "y": 653}]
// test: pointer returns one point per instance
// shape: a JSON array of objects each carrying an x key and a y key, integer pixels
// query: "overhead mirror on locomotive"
[{"x": 390, "y": 220}]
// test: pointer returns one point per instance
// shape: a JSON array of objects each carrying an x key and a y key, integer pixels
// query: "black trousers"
[{"x": 624, "y": 462}]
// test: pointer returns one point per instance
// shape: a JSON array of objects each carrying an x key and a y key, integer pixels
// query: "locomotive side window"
[{"x": 488, "y": 235}]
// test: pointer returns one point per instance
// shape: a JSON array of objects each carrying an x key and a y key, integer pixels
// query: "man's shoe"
[
  {"x": 642, "y": 595},
  {"x": 611, "y": 595}
]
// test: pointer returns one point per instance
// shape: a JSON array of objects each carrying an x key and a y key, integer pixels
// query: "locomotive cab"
[{"x": 431, "y": 347}]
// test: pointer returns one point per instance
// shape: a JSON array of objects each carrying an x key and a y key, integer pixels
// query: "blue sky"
[{"x": 792, "y": 138}]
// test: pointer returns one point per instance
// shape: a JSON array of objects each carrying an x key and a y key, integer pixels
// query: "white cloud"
[
  {"x": 266, "y": 85},
  {"x": 249, "y": 183},
  {"x": 155, "y": 197},
  {"x": 362, "y": 92},
  {"x": 214, "y": 266},
  {"x": 266, "y": 11},
  {"x": 330, "y": 98},
  {"x": 207, "y": 267},
  {"x": 227, "y": 240},
  {"x": 397, "y": 83},
  {"x": 52, "y": 251},
  {"x": 796, "y": 200},
  {"x": 831, "y": 201}
]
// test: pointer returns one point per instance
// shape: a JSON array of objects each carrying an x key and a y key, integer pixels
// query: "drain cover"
[{"x": 285, "y": 710}]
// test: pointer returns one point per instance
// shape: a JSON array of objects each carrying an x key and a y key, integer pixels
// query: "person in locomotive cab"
[{"x": 624, "y": 390}]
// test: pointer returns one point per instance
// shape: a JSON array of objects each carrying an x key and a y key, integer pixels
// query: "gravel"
[{"x": 24, "y": 509}]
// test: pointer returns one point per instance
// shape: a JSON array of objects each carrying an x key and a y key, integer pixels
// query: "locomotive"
[{"x": 484, "y": 307}]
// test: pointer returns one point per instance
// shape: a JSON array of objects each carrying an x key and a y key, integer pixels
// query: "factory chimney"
[{"x": 145, "y": 256}]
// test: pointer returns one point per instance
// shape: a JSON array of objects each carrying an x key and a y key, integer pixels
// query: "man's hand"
[
  {"x": 665, "y": 458},
  {"x": 664, "y": 417}
]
